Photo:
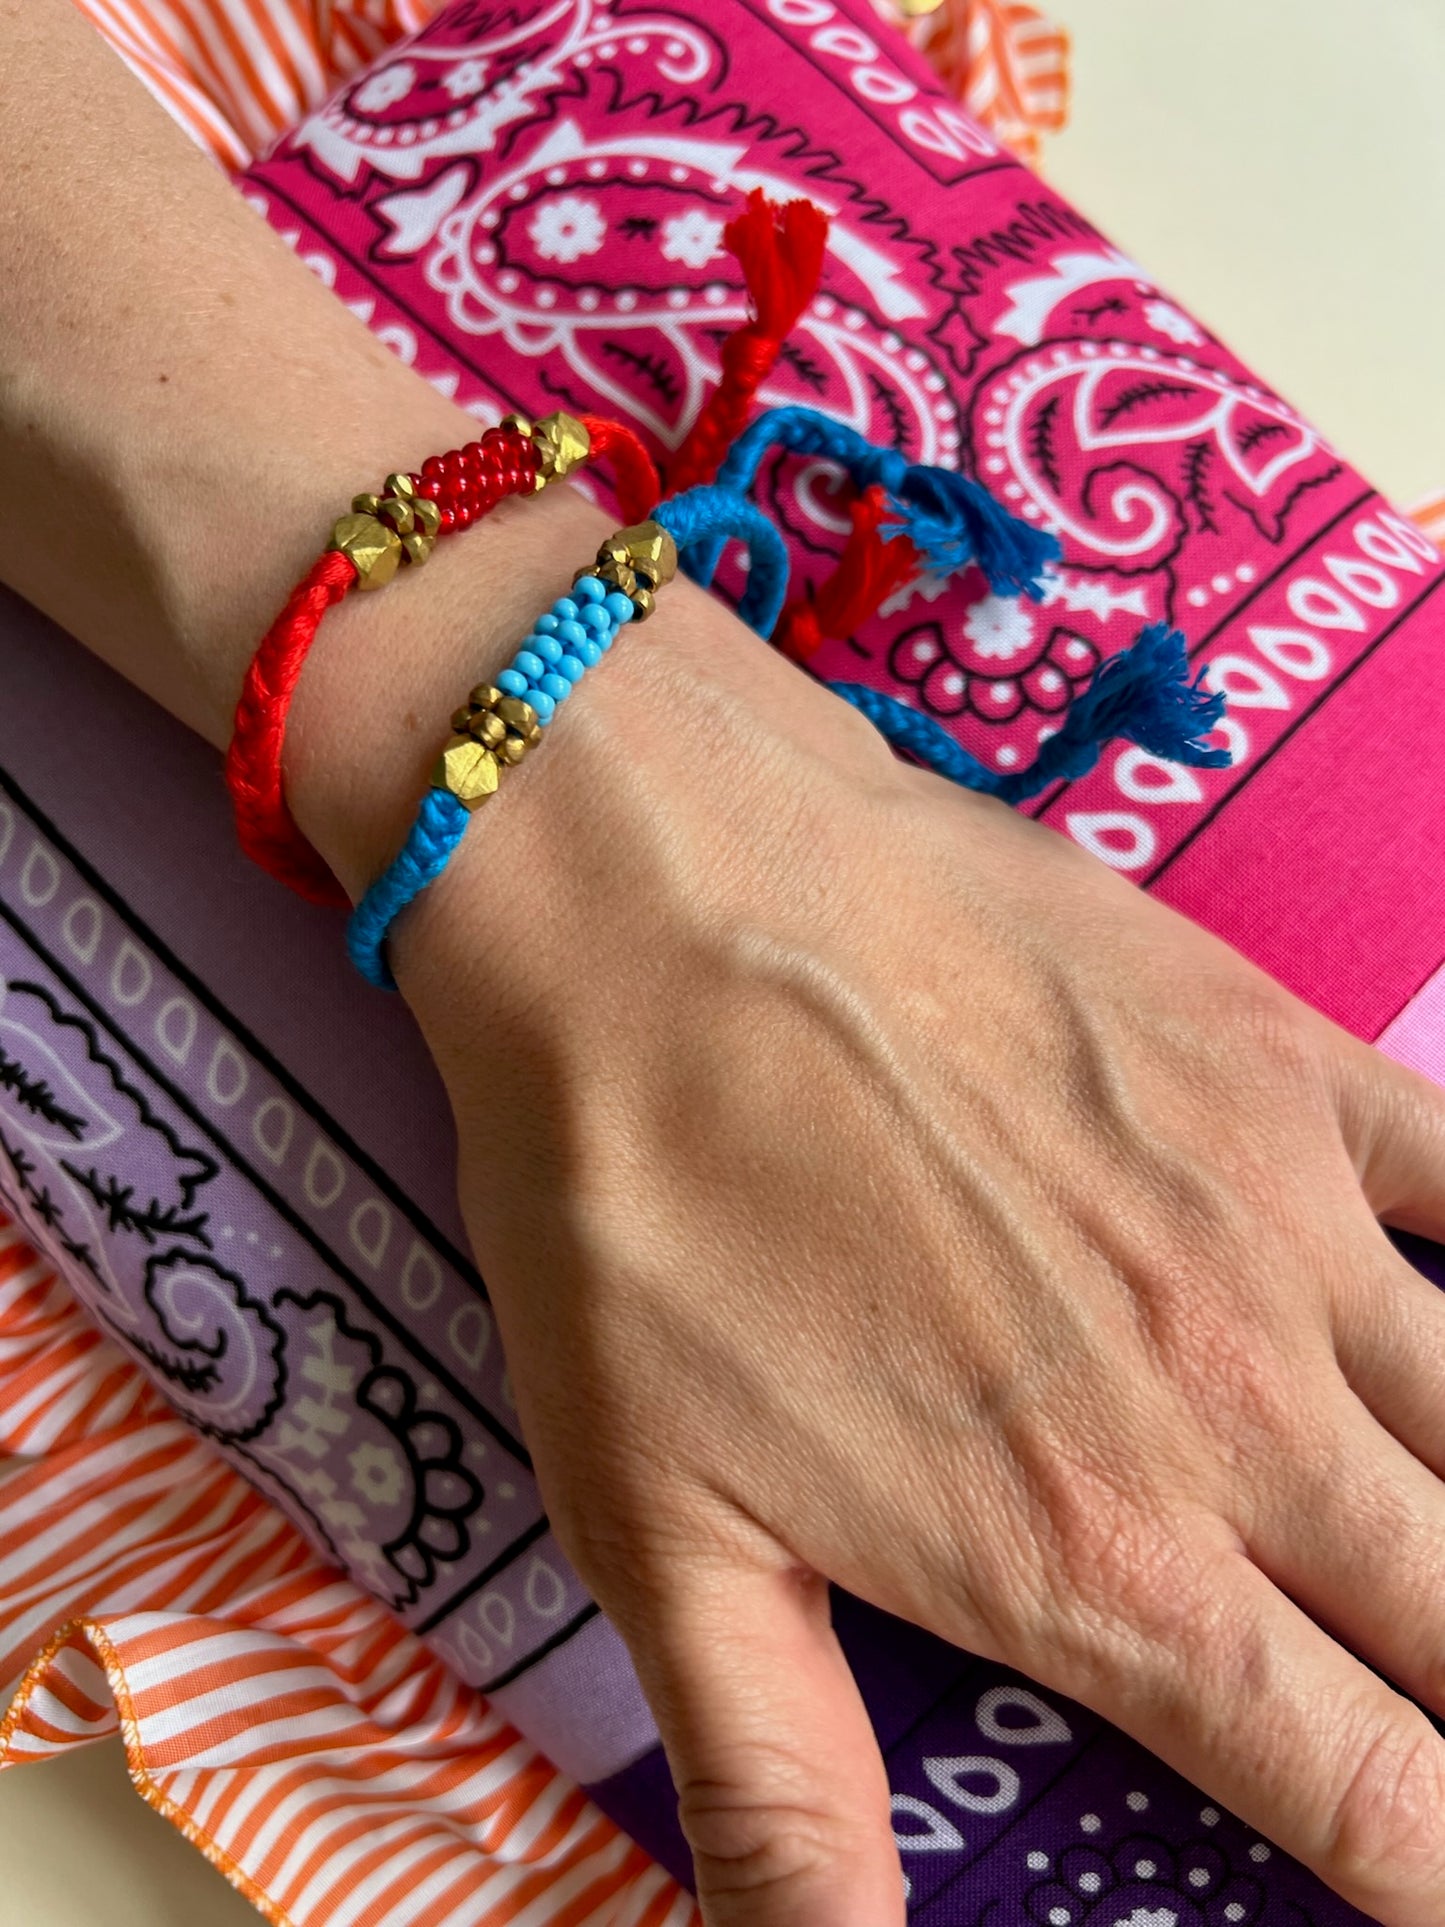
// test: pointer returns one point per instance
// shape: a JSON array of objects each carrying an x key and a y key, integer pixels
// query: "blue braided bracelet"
[{"x": 502, "y": 722}]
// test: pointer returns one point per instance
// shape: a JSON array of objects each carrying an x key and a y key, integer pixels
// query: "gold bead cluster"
[
  {"x": 383, "y": 531},
  {"x": 562, "y": 443},
  {"x": 638, "y": 561},
  {"x": 493, "y": 732}
]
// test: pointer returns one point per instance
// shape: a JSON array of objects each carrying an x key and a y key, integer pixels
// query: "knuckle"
[
  {"x": 1387, "y": 1828},
  {"x": 1117, "y": 1575},
  {"x": 1277, "y": 1031},
  {"x": 754, "y": 1823}
]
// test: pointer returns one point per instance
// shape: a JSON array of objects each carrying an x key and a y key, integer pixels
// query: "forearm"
[{"x": 183, "y": 412}]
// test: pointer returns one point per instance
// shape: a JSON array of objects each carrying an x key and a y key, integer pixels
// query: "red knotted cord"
[
  {"x": 634, "y": 473},
  {"x": 780, "y": 250},
  {"x": 870, "y": 568}
]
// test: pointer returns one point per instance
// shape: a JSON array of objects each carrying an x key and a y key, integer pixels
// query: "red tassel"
[
  {"x": 780, "y": 251},
  {"x": 870, "y": 568}
]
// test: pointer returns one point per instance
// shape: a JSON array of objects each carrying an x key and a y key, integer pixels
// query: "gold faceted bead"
[
  {"x": 398, "y": 513},
  {"x": 461, "y": 720},
  {"x": 650, "y": 550},
  {"x": 487, "y": 727},
  {"x": 643, "y": 601},
  {"x": 512, "y": 749},
  {"x": 519, "y": 425},
  {"x": 521, "y": 717},
  {"x": 468, "y": 770},
  {"x": 365, "y": 504},
  {"x": 621, "y": 576},
  {"x": 428, "y": 515},
  {"x": 374, "y": 549},
  {"x": 562, "y": 444},
  {"x": 485, "y": 696},
  {"x": 401, "y": 485},
  {"x": 418, "y": 546}
]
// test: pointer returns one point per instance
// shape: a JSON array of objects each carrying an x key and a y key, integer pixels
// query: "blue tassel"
[
  {"x": 953, "y": 521},
  {"x": 950, "y": 519},
  {"x": 1142, "y": 695}
]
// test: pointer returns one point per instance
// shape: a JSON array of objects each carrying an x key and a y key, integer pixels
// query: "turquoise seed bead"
[
  {"x": 588, "y": 588},
  {"x": 555, "y": 686},
  {"x": 619, "y": 607},
  {"x": 595, "y": 618},
  {"x": 565, "y": 609},
  {"x": 546, "y": 625},
  {"x": 570, "y": 632},
  {"x": 571, "y": 668},
  {"x": 512, "y": 681},
  {"x": 587, "y": 653},
  {"x": 547, "y": 647},
  {"x": 542, "y": 703},
  {"x": 528, "y": 665}
]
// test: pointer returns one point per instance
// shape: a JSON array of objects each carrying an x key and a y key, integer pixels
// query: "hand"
[{"x": 874, "y": 1188}]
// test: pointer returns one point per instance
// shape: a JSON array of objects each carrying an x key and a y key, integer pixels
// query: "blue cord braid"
[
  {"x": 439, "y": 827},
  {"x": 708, "y": 518},
  {"x": 1143, "y": 695},
  {"x": 950, "y": 519},
  {"x": 561, "y": 646}
]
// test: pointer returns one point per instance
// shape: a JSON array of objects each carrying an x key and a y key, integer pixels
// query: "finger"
[
  {"x": 1394, "y": 1122},
  {"x": 781, "y": 1789},
  {"x": 1353, "y": 1529},
  {"x": 1233, "y": 1686},
  {"x": 1388, "y": 1327}
]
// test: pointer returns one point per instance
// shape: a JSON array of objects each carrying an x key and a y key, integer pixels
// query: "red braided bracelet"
[{"x": 368, "y": 546}]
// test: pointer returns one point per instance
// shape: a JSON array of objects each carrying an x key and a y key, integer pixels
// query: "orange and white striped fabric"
[
  {"x": 1430, "y": 516},
  {"x": 237, "y": 73},
  {"x": 319, "y": 1755},
  {"x": 1006, "y": 62}
]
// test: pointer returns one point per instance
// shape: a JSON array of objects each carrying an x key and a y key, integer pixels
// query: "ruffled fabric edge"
[{"x": 284, "y": 1722}]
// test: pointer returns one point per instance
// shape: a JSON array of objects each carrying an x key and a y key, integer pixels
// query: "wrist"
[{"x": 388, "y": 668}]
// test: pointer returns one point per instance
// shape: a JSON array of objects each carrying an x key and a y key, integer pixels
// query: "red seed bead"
[
  {"x": 448, "y": 519},
  {"x": 433, "y": 468}
]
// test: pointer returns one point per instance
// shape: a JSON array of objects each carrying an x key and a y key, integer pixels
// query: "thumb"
[{"x": 781, "y": 1789}]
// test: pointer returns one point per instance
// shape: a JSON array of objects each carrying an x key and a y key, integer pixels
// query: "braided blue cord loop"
[
  {"x": 440, "y": 824},
  {"x": 950, "y": 519},
  {"x": 706, "y": 518},
  {"x": 1142, "y": 695}
]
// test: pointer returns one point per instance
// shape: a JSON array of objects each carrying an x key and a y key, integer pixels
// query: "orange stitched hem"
[{"x": 99, "y": 1640}]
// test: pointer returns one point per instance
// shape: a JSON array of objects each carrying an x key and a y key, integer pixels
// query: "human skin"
[{"x": 871, "y": 1187}]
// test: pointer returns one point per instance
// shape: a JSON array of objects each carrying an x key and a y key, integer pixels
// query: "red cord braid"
[
  {"x": 870, "y": 568},
  {"x": 464, "y": 485},
  {"x": 634, "y": 473},
  {"x": 780, "y": 250},
  {"x": 253, "y": 762}
]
